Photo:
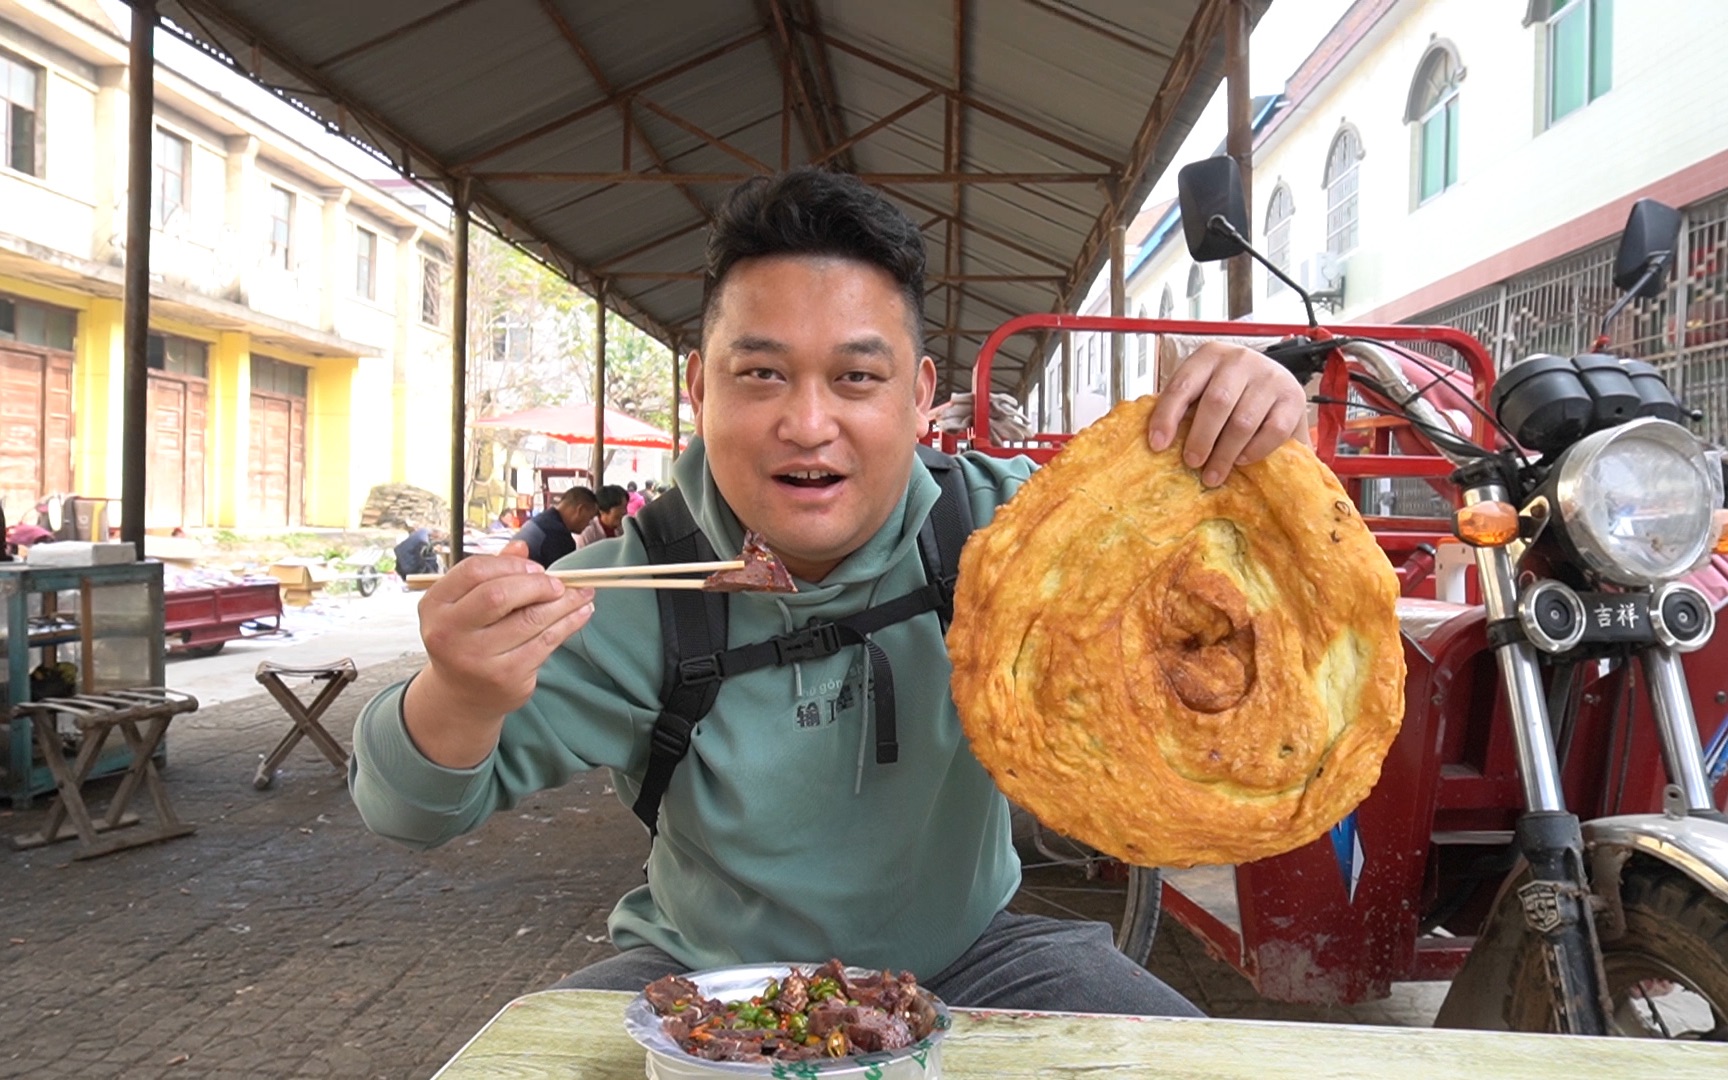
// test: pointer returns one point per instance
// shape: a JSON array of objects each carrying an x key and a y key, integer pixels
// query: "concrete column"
[
  {"x": 227, "y": 452},
  {"x": 338, "y": 258},
  {"x": 108, "y": 156},
  {"x": 408, "y": 285},
  {"x": 99, "y": 356},
  {"x": 244, "y": 219},
  {"x": 340, "y": 435}
]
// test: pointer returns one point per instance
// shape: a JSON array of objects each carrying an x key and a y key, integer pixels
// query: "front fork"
[
  {"x": 1556, "y": 900},
  {"x": 1682, "y": 751}
]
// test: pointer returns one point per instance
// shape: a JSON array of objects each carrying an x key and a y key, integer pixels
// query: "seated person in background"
[
  {"x": 614, "y": 504},
  {"x": 414, "y": 555},
  {"x": 551, "y": 534}
]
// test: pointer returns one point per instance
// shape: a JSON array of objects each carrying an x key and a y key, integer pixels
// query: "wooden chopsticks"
[
  {"x": 602, "y": 573},
  {"x": 620, "y": 577}
]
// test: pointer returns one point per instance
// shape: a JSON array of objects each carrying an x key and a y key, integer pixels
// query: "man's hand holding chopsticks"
[{"x": 488, "y": 625}]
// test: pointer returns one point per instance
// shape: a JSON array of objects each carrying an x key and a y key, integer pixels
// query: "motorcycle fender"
[
  {"x": 1478, "y": 995},
  {"x": 1696, "y": 846}
]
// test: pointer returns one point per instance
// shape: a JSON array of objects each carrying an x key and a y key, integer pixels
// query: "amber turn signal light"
[
  {"x": 1720, "y": 547},
  {"x": 1487, "y": 524}
]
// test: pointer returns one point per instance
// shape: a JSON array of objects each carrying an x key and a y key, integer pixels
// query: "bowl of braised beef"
[{"x": 797, "y": 1020}]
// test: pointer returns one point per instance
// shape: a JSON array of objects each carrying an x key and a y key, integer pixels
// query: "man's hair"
[
  {"x": 810, "y": 211},
  {"x": 577, "y": 496},
  {"x": 612, "y": 497}
]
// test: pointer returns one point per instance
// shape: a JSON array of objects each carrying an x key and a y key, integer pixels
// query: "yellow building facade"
[{"x": 299, "y": 346}]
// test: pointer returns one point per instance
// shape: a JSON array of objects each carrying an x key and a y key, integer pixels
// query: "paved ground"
[
  {"x": 283, "y": 940},
  {"x": 367, "y": 629}
]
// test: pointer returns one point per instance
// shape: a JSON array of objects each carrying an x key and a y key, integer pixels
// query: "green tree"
[{"x": 531, "y": 342}]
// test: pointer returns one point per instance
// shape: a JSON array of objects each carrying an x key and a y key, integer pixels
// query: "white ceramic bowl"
[{"x": 668, "y": 1061}]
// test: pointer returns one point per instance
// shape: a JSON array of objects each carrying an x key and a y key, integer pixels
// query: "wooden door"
[
  {"x": 35, "y": 426},
  {"x": 277, "y": 459},
  {"x": 175, "y": 487}
]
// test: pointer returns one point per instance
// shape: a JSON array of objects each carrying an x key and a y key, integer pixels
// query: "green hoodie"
[{"x": 780, "y": 836}]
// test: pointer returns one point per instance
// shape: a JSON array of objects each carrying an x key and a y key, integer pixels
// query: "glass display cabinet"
[{"x": 73, "y": 630}]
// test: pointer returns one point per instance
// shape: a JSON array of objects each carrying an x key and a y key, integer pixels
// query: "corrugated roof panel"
[{"x": 1051, "y": 86}]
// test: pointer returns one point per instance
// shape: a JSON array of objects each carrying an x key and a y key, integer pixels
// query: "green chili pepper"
[{"x": 773, "y": 991}]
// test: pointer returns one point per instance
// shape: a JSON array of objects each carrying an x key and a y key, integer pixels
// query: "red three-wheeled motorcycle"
[{"x": 1547, "y": 831}]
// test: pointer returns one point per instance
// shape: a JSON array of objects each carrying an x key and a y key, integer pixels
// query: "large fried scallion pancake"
[{"x": 1172, "y": 674}]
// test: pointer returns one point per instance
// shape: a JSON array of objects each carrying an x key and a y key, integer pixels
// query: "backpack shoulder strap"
[
  {"x": 945, "y": 530},
  {"x": 692, "y": 629}
]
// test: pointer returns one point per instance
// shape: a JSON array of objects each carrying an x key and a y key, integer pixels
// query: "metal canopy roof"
[{"x": 598, "y": 135}]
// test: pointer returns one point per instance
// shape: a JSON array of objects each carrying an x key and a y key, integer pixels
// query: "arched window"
[
  {"x": 1166, "y": 304},
  {"x": 1279, "y": 210},
  {"x": 1433, "y": 109},
  {"x": 1341, "y": 191},
  {"x": 1196, "y": 287},
  {"x": 1142, "y": 343}
]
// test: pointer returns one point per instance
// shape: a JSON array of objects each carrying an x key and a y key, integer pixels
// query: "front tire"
[
  {"x": 1064, "y": 879},
  {"x": 1668, "y": 974}
]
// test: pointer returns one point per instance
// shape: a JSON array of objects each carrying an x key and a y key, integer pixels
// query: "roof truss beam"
[
  {"x": 391, "y": 35},
  {"x": 609, "y": 101},
  {"x": 413, "y": 160},
  {"x": 966, "y": 99},
  {"x": 883, "y": 179},
  {"x": 626, "y": 113},
  {"x": 1205, "y": 29}
]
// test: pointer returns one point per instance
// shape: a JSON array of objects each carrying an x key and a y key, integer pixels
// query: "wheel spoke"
[
  {"x": 1063, "y": 908},
  {"x": 1655, "y": 1013}
]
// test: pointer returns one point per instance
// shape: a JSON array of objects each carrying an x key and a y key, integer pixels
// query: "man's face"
[
  {"x": 577, "y": 516},
  {"x": 614, "y": 517},
  {"x": 809, "y": 402}
]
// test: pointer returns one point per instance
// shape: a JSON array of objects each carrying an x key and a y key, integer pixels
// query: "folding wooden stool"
[
  {"x": 335, "y": 678},
  {"x": 96, "y": 715}
]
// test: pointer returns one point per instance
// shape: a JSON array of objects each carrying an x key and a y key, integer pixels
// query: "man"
[
  {"x": 778, "y": 837},
  {"x": 414, "y": 554},
  {"x": 609, "y": 522},
  {"x": 551, "y": 534}
]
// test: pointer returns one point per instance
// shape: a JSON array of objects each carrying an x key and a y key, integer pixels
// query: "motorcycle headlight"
[{"x": 1637, "y": 501}]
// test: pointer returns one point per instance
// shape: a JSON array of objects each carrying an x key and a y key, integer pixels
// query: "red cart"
[{"x": 200, "y": 621}]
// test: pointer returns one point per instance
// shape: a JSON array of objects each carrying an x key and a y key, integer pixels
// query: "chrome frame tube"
[
  {"x": 1391, "y": 375},
  {"x": 1682, "y": 751},
  {"x": 1521, "y": 675}
]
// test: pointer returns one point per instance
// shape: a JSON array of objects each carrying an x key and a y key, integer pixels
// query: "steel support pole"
[
  {"x": 599, "y": 386},
  {"x": 1118, "y": 310},
  {"x": 678, "y": 356},
  {"x": 135, "y": 405},
  {"x": 1067, "y": 381},
  {"x": 1240, "y": 144},
  {"x": 459, "y": 375}
]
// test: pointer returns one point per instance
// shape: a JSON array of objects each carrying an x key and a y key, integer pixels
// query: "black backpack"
[{"x": 693, "y": 626}]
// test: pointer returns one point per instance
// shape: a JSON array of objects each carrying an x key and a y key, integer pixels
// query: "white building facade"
[
  {"x": 1472, "y": 164},
  {"x": 299, "y": 316}
]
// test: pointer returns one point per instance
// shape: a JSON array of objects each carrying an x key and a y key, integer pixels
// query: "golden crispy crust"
[{"x": 1172, "y": 674}]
